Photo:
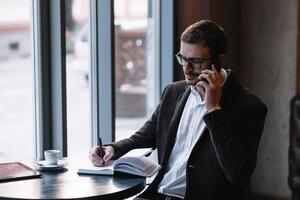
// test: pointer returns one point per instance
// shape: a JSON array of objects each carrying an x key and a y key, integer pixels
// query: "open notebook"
[{"x": 134, "y": 162}]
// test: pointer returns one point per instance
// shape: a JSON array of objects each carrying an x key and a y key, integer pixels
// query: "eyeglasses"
[{"x": 196, "y": 63}]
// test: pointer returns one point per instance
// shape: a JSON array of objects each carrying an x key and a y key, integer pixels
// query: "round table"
[{"x": 68, "y": 184}]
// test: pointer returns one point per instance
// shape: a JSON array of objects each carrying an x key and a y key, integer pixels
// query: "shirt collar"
[
  {"x": 224, "y": 74},
  {"x": 197, "y": 96}
]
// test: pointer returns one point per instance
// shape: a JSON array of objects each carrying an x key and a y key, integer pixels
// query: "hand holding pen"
[{"x": 100, "y": 155}]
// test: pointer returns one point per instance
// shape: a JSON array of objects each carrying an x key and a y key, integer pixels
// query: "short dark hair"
[{"x": 207, "y": 33}]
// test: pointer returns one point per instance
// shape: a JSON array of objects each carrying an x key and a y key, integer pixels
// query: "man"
[{"x": 206, "y": 129}]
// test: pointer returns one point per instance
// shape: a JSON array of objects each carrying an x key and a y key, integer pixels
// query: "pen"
[{"x": 100, "y": 146}]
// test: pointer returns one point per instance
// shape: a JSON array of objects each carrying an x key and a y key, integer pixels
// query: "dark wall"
[
  {"x": 263, "y": 38},
  {"x": 228, "y": 15},
  {"x": 269, "y": 55}
]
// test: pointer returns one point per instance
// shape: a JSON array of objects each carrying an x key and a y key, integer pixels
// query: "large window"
[
  {"x": 136, "y": 68},
  {"x": 58, "y": 99},
  {"x": 78, "y": 76},
  {"x": 16, "y": 81}
]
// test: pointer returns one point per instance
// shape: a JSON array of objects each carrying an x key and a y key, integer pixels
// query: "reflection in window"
[
  {"x": 16, "y": 81},
  {"x": 134, "y": 65},
  {"x": 78, "y": 105}
]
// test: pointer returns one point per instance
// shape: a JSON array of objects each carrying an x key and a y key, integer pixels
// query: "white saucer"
[{"x": 43, "y": 164}]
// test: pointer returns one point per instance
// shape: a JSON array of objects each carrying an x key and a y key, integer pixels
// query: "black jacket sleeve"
[{"x": 236, "y": 142}]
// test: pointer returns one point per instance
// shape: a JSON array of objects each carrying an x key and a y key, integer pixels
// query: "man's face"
[{"x": 194, "y": 51}]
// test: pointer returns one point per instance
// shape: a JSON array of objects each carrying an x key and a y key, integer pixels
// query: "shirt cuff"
[{"x": 214, "y": 109}]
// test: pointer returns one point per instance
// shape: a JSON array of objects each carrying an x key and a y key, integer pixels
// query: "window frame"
[
  {"x": 49, "y": 76},
  {"x": 49, "y": 57},
  {"x": 103, "y": 109},
  {"x": 166, "y": 43},
  {"x": 102, "y": 78}
]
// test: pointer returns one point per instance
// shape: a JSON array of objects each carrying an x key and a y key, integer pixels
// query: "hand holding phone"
[
  {"x": 201, "y": 78},
  {"x": 209, "y": 86}
]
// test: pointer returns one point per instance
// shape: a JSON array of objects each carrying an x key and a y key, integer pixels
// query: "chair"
[{"x": 294, "y": 149}]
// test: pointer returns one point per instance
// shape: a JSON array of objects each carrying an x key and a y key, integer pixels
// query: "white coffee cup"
[{"x": 52, "y": 156}]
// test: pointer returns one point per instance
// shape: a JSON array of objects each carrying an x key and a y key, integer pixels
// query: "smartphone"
[{"x": 217, "y": 62}]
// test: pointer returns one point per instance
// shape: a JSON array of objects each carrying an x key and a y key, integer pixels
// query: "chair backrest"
[{"x": 294, "y": 148}]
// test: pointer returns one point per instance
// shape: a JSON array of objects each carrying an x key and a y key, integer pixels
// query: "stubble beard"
[
  {"x": 192, "y": 82},
  {"x": 194, "y": 79}
]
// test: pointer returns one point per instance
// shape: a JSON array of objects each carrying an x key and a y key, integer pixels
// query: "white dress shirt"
[{"x": 190, "y": 129}]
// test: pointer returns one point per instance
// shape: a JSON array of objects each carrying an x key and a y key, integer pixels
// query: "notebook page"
[
  {"x": 89, "y": 168},
  {"x": 141, "y": 166},
  {"x": 137, "y": 152}
]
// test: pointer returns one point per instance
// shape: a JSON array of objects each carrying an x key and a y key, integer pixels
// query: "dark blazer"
[{"x": 224, "y": 157}]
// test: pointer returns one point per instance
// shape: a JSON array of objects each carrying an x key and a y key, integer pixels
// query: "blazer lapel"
[
  {"x": 172, "y": 132},
  {"x": 229, "y": 89}
]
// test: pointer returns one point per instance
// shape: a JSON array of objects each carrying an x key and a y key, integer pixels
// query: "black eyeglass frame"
[{"x": 194, "y": 62}]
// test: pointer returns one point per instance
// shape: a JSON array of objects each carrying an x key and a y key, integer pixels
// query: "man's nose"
[{"x": 188, "y": 66}]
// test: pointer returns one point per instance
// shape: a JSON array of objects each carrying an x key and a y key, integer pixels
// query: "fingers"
[
  {"x": 213, "y": 75},
  {"x": 107, "y": 156},
  {"x": 97, "y": 160},
  {"x": 214, "y": 68},
  {"x": 94, "y": 157},
  {"x": 200, "y": 89},
  {"x": 210, "y": 72},
  {"x": 109, "y": 153},
  {"x": 202, "y": 84},
  {"x": 206, "y": 77}
]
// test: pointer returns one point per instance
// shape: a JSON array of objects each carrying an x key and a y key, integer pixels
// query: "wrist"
[{"x": 213, "y": 108}]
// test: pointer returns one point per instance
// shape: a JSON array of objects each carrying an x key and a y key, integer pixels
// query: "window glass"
[
  {"x": 77, "y": 68},
  {"x": 135, "y": 67},
  {"x": 16, "y": 81}
]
